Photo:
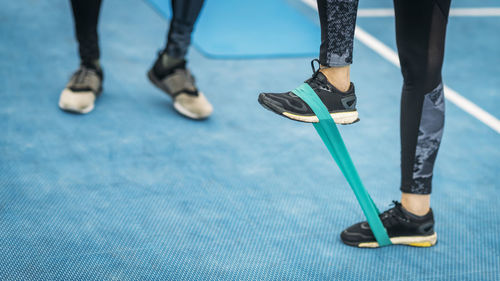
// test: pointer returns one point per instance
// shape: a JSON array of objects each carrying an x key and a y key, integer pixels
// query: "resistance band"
[{"x": 327, "y": 129}]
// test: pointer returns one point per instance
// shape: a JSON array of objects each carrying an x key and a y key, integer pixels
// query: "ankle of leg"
[
  {"x": 417, "y": 204},
  {"x": 338, "y": 77}
]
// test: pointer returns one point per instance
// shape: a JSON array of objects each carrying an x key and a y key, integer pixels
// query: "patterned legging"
[{"x": 420, "y": 36}]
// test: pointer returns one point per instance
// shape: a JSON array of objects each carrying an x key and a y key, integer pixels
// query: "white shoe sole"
[
  {"x": 193, "y": 107},
  {"x": 81, "y": 102},
  {"x": 415, "y": 241},
  {"x": 348, "y": 117}
]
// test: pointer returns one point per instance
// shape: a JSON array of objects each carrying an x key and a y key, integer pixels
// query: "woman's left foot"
[{"x": 340, "y": 105}]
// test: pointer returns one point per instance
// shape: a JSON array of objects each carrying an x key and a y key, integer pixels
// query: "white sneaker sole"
[
  {"x": 81, "y": 102},
  {"x": 415, "y": 241},
  {"x": 348, "y": 117},
  {"x": 193, "y": 107}
]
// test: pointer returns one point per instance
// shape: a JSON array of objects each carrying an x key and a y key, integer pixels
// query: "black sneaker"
[
  {"x": 173, "y": 78},
  {"x": 83, "y": 88},
  {"x": 403, "y": 228},
  {"x": 341, "y": 105}
]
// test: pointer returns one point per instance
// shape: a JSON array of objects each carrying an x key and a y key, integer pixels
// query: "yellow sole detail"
[
  {"x": 421, "y": 244},
  {"x": 414, "y": 241}
]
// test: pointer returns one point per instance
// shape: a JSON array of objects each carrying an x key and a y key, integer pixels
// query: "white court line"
[
  {"x": 450, "y": 94},
  {"x": 454, "y": 97},
  {"x": 454, "y": 12},
  {"x": 457, "y": 12}
]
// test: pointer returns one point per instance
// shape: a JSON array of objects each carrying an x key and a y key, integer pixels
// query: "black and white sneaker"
[
  {"x": 340, "y": 105},
  {"x": 403, "y": 228},
  {"x": 83, "y": 88}
]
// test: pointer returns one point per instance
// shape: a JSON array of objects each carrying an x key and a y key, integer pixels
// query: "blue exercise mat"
[{"x": 251, "y": 29}]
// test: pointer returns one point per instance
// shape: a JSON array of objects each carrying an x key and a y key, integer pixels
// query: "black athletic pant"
[
  {"x": 86, "y": 17},
  {"x": 420, "y": 36}
]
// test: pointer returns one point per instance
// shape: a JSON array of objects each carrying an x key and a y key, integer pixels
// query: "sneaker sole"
[
  {"x": 177, "y": 106},
  {"x": 186, "y": 112},
  {"x": 414, "y": 241},
  {"x": 67, "y": 106},
  {"x": 343, "y": 118}
]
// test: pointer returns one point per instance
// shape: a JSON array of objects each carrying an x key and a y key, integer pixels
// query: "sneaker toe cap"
[
  {"x": 356, "y": 233},
  {"x": 80, "y": 102},
  {"x": 195, "y": 107}
]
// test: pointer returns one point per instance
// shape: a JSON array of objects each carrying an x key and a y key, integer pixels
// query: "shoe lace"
[
  {"x": 394, "y": 215},
  {"x": 314, "y": 81},
  {"x": 315, "y": 71}
]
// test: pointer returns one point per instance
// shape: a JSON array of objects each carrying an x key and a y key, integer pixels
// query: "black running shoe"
[
  {"x": 341, "y": 105},
  {"x": 403, "y": 228},
  {"x": 84, "y": 87}
]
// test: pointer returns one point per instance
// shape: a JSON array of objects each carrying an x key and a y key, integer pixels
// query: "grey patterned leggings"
[{"x": 420, "y": 36}]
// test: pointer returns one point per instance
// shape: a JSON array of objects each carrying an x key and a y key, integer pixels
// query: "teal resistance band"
[{"x": 327, "y": 129}]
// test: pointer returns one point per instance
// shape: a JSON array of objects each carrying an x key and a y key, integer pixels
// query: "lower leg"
[
  {"x": 338, "y": 76},
  {"x": 338, "y": 21},
  {"x": 184, "y": 17},
  {"x": 169, "y": 72},
  {"x": 185, "y": 13},
  {"x": 418, "y": 204},
  {"x": 420, "y": 34},
  {"x": 86, "y": 17}
]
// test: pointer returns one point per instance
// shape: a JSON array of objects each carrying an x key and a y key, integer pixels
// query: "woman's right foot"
[
  {"x": 340, "y": 105},
  {"x": 83, "y": 88},
  {"x": 403, "y": 228}
]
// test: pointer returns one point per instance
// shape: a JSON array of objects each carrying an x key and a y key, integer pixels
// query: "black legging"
[
  {"x": 86, "y": 17},
  {"x": 420, "y": 36}
]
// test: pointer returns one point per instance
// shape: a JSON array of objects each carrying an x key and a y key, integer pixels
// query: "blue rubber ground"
[{"x": 133, "y": 191}]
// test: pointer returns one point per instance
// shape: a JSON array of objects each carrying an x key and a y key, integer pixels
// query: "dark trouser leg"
[
  {"x": 185, "y": 13},
  {"x": 86, "y": 16},
  {"x": 420, "y": 36},
  {"x": 338, "y": 20}
]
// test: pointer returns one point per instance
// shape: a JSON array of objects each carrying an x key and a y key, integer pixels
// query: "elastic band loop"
[{"x": 327, "y": 130}]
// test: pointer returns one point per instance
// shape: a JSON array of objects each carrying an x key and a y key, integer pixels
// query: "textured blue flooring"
[{"x": 134, "y": 191}]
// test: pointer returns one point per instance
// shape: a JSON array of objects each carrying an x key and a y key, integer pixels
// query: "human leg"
[
  {"x": 420, "y": 33},
  {"x": 338, "y": 22},
  {"x": 169, "y": 72},
  {"x": 331, "y": 82},
  {"x": 85, "y": 84},
  {"x": 86, "y": 18}
]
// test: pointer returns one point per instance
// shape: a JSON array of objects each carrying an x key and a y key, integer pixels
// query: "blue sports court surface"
[{"x": 134, "y": 191}]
